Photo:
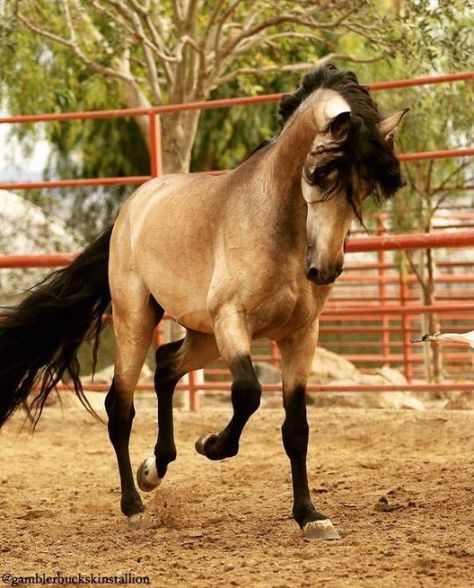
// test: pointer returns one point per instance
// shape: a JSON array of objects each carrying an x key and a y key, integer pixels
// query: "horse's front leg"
[
  {"x": 297, "y": 353},
  {"x": 234, "y": 342},
  {"x": 173, "y": 361}
]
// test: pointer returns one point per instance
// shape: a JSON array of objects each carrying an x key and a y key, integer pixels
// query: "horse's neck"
[
  {"x": 283, "y": 169},
  {"x": 269, "y": 186},
  {"x": 288, "y": 156}
]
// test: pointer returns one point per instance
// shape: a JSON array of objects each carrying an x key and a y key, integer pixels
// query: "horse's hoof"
[
  {"x": 201, "y": 444},
  {"x": 147, "y": 476},
  {"x": 139, "y": 521},
  {"x": 320, "y": 530}
]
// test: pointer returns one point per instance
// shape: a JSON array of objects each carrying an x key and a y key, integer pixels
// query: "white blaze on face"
[
  {"x": 327, "y": 224},
  {"x": 328, "y": 218}
]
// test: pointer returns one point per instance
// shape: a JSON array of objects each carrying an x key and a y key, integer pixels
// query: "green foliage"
[
  {"x": 429, "y": 36},
  {"x": 437, "y": 34},
  {"x": 97, "y": 148},
  {"x": 38, "y": 80},
  {"x": 226, "y": 136}
]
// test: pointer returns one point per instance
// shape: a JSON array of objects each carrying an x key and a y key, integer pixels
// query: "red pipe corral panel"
[
  {"x": 414, "y": 241},
  {"x": 385, "y": 243},
  {"x": 367, "y": 309},
  {"x": 222, "y": 103}
]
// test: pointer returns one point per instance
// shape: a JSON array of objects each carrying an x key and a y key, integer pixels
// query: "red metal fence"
[{"x": 390, "y": 317}]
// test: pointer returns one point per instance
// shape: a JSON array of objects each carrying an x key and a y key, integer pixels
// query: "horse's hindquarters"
[{"x": 172, "y": 231}]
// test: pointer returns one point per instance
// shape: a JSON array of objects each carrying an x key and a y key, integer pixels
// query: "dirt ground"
[{"x": 229, "y": 523}]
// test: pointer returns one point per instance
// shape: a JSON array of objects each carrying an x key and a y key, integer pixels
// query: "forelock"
[{"x": 365, "y": 148}]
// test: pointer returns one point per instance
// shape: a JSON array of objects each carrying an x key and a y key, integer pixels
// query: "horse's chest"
[
  {"x": 291, "y": 309},
  {"x": 272, "y": 312},
  {"x": 270, "y": 301}
]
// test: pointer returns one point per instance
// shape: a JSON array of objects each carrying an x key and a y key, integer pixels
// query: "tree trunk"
[
  {"x": 434, "y": 324},
  {"x": 178, "y": 131}
]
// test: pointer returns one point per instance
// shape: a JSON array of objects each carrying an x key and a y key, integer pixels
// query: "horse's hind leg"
[
  {"x": 233, "y": 341},
  {"x": 134, "y": 318},
  {"x": 173, "y": 361}
]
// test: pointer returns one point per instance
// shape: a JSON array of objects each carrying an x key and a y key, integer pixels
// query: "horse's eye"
[{"x": 320, "y": 175}]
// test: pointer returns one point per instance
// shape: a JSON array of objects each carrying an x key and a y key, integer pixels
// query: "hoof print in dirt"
[{"x": 383, "y": 505}]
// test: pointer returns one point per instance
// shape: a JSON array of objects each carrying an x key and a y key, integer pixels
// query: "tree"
[
  {"x": 153, "y": 52},
  {"x": 439, "y": 35}
]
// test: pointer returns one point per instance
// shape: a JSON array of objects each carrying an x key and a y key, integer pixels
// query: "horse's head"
[{"x": 351, "y": 156}]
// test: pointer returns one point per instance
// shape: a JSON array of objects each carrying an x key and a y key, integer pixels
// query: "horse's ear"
[
  {"x": 389, "y": 125},
  {"x": 337, "y": 113}
]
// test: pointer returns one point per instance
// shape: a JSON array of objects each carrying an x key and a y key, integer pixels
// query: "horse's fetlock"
[
  {"x": 306, "y": 513},
  {"x": 166, "y": 456},
  {"x": 130, "y": 507}
]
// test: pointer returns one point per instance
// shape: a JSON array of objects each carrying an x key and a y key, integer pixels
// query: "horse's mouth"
[
  {"x": 313, "y": 275},
  {"x": 319, "y": 282}
]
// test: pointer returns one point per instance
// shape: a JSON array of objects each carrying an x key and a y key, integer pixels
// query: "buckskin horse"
[{"x": 251, "y": 253}]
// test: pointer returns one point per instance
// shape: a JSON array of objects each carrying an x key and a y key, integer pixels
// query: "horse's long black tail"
[{"x": 39, "y": 338}]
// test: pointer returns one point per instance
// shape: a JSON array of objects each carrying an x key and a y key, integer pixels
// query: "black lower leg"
[
  {"x": 120, "y": 424},
  {"x": 295, "y": 440},
  {"x": 166, "y": 379},
  {"x": 246, "y": 393}
]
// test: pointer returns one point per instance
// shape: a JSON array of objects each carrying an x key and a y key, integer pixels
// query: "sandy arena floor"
[{"x": 229, "y": 523}]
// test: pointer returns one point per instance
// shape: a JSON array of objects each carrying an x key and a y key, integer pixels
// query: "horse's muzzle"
[{"x": 323, "y": 278}]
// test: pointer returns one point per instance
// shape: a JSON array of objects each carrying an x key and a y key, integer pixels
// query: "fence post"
[
  {"x": 275, "y": 354},
  {"x": 158, "y": 335},
  {"x": 406, "y": 326},
  {"x": 383, "y": 294},
  {"x": 193, "y": 392},
  {"x": 156, "y": 167}
]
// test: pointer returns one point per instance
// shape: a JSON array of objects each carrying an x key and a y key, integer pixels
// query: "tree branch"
[
  {"x": 67, "y": 15},
  {"x": 178, "y": 15},
  {"x": 150, "y": 62},
  {"x": 143, "y": 10},
  {"x": 86, "y": 18},
  {"x": 449, "y": 177},
  {"x": 300, "y": 18},
  {"x": 414, "y": 268},
  {"x": 137, "y": 33},
  {"x": 258, "y": 71},
  {"x": 94, "y": 66},
  {"x": 212, "y": 19}
]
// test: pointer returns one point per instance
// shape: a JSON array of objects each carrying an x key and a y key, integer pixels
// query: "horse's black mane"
[
  {"x": 364, "y": 148},
  {"x": 344, "y": 83}
]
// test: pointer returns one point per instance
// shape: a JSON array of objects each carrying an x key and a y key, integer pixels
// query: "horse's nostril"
[{"x": 312, "y": 273}]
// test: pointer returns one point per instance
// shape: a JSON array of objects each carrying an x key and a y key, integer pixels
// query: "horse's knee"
[
  {"x": 246, "y": 395},
  {"x": 246, "y": 389}
]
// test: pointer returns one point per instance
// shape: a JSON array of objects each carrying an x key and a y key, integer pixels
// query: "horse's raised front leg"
[
  {"x": 233, "y": 341},
  {"x": 134, "y": 321},
  {"x": 297, "y": 353},
  {"x": 173, "y": 361}
]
